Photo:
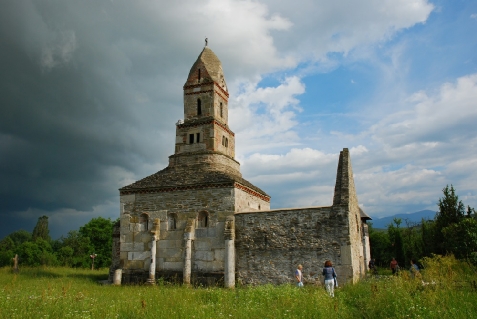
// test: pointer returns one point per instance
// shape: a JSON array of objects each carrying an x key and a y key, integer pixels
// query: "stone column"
[
  {"x": 188, "y": 237},
  {"x": 229, "y": 262},
  {"x": 155, "y": 232}
]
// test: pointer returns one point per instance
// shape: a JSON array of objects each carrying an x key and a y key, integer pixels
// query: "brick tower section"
[{"x": 205, "y": 125}]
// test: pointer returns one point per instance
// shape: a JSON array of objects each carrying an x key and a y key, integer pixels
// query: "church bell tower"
[{"x": 205, "y": 125}]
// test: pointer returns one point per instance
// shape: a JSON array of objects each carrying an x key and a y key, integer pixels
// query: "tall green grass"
[{"x": 447, "y": 292}]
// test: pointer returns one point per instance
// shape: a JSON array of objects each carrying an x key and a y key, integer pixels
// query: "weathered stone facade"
[{"x": 198, "y": 220}]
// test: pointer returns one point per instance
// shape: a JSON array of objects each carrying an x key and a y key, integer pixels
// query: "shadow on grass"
[
  {"x": 89, "y": 277},
  {"x": 39, "y": 273}
]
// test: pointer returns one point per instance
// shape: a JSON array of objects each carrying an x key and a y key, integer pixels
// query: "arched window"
[
  {"x": 144, "y": 222},
  {"x": 203, "y": 219},
  {"x": 199, "y": 107},
  {"x": 223, "y": 140},
  {"x": 198, "y": 75},
  {"x": 171, "y": 221},
  {"x": 226, "y": 142},
  {"x": 221, "y": 110}
]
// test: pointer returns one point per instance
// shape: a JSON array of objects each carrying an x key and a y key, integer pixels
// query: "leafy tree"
[
  {"x": 380, "y": 245},
  {"x": 100, "y": 232},
  {"x": 451, "y": 211},
  {"x": 20, "y": 236},
  {"x": 41, "y": 229},
  {"x": 36, "y": 253},
  {"x": 6, "y": 251},
  {"x": 81, "y": 247},
  {"x": 461, "y": 239},
  {"x": 395, "y": 236}
]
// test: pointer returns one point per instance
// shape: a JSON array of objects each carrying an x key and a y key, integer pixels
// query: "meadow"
[{"x": 445, "y": 290}]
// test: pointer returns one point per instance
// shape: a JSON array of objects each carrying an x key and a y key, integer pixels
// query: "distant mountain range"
[{"x": 413, "y": 217}]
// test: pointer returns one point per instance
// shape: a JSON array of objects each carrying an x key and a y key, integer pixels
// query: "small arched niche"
[
  {"x": 171, "y": 221},
  {"x": 203, "y": 219}
]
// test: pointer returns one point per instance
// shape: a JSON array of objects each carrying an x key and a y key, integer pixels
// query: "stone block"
[
  {"x": 173, "y": 234},
  {"x": 132, "y": 247},
  {"x": 204, "y": 255},
  {"x": 203, "y": 244},
  {"x": 139, "y": 255},
  {"x": 219, "y": 254},
  {"x": 170, "y": 253},
  {"x": 168, "y": 265},
  {"x": 170, "y": 244}
]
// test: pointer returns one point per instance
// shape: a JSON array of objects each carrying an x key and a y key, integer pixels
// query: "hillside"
[{"x": 413, "y": 217}]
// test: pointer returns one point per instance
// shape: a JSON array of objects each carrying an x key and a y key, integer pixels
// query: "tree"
[
  {"x": 79, "y": 245},
  {"x": 461, "y": 239},
  {"x": 41, "y": 229},
  {"x": 380, "y": 245},
  {"x": 451, "y": 211},
  {"x": 100, "y": 232},
  {"x": 395, "y": 236},
  {"x": 6, "y": 251},
  {"x": 20, "y": 236}
]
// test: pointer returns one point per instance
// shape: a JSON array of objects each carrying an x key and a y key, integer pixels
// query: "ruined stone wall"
[{"x": 269, "y": 245}]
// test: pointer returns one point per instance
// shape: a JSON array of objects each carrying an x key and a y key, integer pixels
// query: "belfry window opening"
[
  {"x": 198, "y": 137},
  {"x": 199, "y": 107},
  {"x": 221, "y": 110},
  {"x": 191, "y": 138},
  {"x": 226, "y": 142}
]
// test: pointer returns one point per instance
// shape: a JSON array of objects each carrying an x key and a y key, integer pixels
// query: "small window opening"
[
  {"x": 171, "y": 222},
  {"x": 226, "y": 142},
  {"x": 198, "y": 137},
  {"x": 223, "y": 140},
  {"x": 144, "y": 222},
  {"x": 357, "y": 223},
  {"x": 198, "y": 76},
  {"x": 199, "y": 107},
  {"x": 191, "y": 138},
  {"x": 258, "y": 206},
  {"x": 203, "y": 219},
  {"x": 221, "y": 110}
]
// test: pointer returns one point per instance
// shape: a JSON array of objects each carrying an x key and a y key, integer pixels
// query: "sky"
[{"x": 90, "y": 92}]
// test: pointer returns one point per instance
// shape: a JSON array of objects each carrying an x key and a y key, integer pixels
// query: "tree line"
[
  {"x": 74, "y": 250},
  {"x": 453, "y": 231}
]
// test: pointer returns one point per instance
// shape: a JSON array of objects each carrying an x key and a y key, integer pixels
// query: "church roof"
[
  {"x": 363, "y": 215},
  {"x": 211, "y": 63},
  {"x": 190, "y": 176}
]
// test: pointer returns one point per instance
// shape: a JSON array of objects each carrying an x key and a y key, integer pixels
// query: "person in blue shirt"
[
  {"x": 330, "y": 278},
  {"x": 414, "y": 269}
]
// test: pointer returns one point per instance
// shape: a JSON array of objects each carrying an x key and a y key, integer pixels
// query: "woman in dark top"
[{"x": 330, "y": 276}]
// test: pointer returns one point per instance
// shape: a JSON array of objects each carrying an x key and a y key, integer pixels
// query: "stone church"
[{"x": 198, "y": 221}]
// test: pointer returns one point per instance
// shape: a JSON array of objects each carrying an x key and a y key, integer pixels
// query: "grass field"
[{"x": 447, "y": 292}]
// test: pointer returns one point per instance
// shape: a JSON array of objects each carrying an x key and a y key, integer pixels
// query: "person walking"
[
  {"x": 299, "y": 276},
  {"x": 393, "y": 265},
  {"x": 414, "y": 269},
  {"x": 372, "y": 266},
  {"x": 330, "y": 277}
]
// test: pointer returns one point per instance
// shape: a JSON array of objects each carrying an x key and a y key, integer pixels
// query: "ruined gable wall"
[
  {"x": 269, "y": 245},
  {"x": 246, "y": 202}
]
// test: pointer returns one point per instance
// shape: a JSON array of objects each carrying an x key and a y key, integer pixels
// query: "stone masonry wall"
[
  {"x": 245, "y": 202},
  {"x": 270, "y": 245},
  {"x": 208, "y": 244}
]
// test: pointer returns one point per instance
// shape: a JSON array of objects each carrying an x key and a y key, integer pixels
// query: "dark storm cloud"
[{"x": 80, "y": 110}]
